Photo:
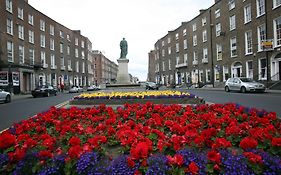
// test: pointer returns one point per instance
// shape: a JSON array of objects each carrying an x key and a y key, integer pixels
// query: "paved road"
[
  {"x": 269, "y": 101},
  {"x": 27, "y": 106}
]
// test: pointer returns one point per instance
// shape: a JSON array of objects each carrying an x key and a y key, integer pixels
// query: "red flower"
[
  {"x": 193, "y": 168},
  {"x": 7, "y": 140},
  {"x": 254, "y": 158},
  {"x": 176, "y": 160},
  {"x": 74, "y": 141},
  {"x": 276, "y": 141},
  {"x": 221, "y": 143},
  {"x": 141, "y": 150},
  {"x": 45, "y": 154},
  {"x": 248, "y": 143},
  {"x": 48, "y": 143},
  {"x": 75, "y": 151},
  {"x": 130, "y": 162},
  {"x": 214, "y": 156}
]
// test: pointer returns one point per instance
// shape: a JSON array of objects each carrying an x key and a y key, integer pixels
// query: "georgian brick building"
[
  {"x": 37, "y": 50},
  {"x": 232, "y": 38}
]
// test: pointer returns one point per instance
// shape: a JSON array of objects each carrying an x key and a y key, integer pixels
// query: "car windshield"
[{"x": 247, "y": 80}]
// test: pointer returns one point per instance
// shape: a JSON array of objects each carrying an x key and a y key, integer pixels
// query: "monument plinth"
[{"x": 123, "y": 75}]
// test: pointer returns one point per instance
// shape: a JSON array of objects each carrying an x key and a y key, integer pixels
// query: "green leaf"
[
  {"x": 9, "y": 149},
  {"x": 210, "y": 168},
  {"x": 152, "y": 136}
]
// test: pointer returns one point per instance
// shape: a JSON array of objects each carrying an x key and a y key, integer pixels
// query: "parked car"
[
  {"x": 75, "y": 89},
  {"x": 243, "y": 85},
  {"x": 5, "y": 96},
  {"x": 44, "y": 91},
  {"x": 92, "y": 88},
  {"x": 151, "y": 86}
]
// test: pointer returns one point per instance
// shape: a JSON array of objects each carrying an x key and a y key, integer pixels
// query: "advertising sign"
[
  {"x": 4, "y": 78},
  {"x": 16, "y": 79},
  {"x": 267, "y": 45}
]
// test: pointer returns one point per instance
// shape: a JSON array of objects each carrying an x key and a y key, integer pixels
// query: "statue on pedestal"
[{"x": 124, "y": 48}]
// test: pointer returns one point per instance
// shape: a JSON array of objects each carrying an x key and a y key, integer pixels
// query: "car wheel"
[
  {"x": 226, "y": 89},
  {"x": 8, "y": 99},
  {"x": 243, "y": 89},
  {"x": 55, "y": 94}
]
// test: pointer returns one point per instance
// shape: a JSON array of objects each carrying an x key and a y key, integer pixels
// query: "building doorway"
[{"x": 236, "y": 69}]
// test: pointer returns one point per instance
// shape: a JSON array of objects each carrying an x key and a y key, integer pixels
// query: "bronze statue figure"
[{"x": 124, "y": 48}]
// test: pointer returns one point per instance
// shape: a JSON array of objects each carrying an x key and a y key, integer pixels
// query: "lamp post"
[{"x": 10, "y": 78}]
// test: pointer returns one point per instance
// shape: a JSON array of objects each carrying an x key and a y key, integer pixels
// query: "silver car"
[
  {"x": 243, "y": 85},
  {"x": 5, "y": 96}
]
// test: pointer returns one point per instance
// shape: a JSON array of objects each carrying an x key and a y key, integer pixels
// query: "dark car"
[
  {"x": 44, "y": 91},
  {"x": 151, "y": 86}
]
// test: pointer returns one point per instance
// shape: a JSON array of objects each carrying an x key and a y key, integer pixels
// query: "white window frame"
[
  {"x": 277, "y": 32},
  {"x": 194, "y": 27},
  {"x": 184, "y": 32},
  {"x": 10, "y": 26},
  {"x": 248, "y": 42},
  {"x": 83, "y": 54},
  {"x": 21, "y": 32},
  {"x": 195, "y": 56},
  {"x": 217, "y": 13},
  {"x": 163, "y": 66},
  {"x": 43, "y": 57},
  {"x": 77, "y": 66},
  {"x": 31, "y": 56},
  {"x": 204, "y": 36},
  {"x": 169, "y": 50},
  {"x": 42, "y": 25},
  {"x": 76, "y": 53},
  {"x": 61, "y": 47},
  {"x": 232, "y": 22},
  {"x": 249, "y": 72},
  {"x": 261, "y": 31},
  {"x": 52, "y": 30},
  {"x": 219, "y": 52},
  {"x": 194, "y": 40},
  {"x": 185, "y": 44},
  {"x": 82, "y": 44},
  {"x": 62, "y": 62},
  {"x": 204, "y": 21},
  {"x": 42, "y": 41},
  {"x": 208, "y": 75},
  {"x": 225, "y": 71},
  {"x": 231, "y": 4},
  {"x": 52, "y": 44},
  {"x": 83, "y": 67},
  {"x": 177, "y": 60},
  {"x": 10, "y": 51},
  {"x": 177, "y": 47},
  {"x": 205, "y": 53},
  {"x": 276, "y": 3},
  {"x": 247, "y": 13},
  {"x": 20, "y": 13},
  {"x": 169, "y": 62},
  {"x": 9, "y": 6},
  {"x": 31, "y": 36},
  {"x": 61, "y": 34},
  {"x": 30, "y": 19},
  {"x": 21, "y": 54},
  {"x": 76, "y": 42},
  {"x": 169, "y": 40},
  {"x": 53, "y": 62},
  {"x": 260, "y": 7},
  {"x": 232, "y": 47},
  {"x": 177, "y": 36},
  {"x": 185, "y": 58},
  {"x": 68, "y": 50},
  {"x": 262, "y": 70},
  {"x": 218, "y": 29}
]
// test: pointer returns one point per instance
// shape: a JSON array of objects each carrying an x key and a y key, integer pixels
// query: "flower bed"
[
  {"x": 142, "y": 97},
  {"x": 144, "y": 139}
]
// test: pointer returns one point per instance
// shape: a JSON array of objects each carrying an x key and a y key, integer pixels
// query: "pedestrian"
[{"x": 62, "y": 87}]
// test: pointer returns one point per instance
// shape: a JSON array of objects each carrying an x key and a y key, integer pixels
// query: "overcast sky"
[{"x": 106, "y": 22}]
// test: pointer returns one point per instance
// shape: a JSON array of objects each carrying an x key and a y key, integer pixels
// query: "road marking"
[{"x": 62, "y": 104}]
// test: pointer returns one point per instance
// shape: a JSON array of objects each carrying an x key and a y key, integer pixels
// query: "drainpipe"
[
  {"x": 211, "y": 53},
  {"x": 266, "y": 52}
]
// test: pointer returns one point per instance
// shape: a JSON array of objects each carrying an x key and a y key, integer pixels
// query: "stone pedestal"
[{"x": 123, "y": 75}]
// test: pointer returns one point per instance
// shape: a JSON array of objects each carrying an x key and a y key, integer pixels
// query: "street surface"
[{"x": 23, "y": 108}]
